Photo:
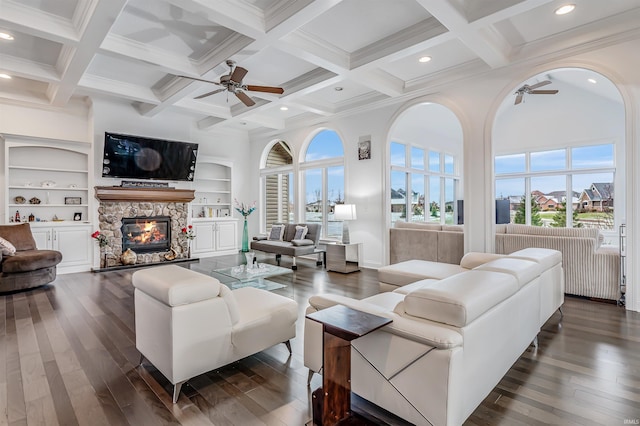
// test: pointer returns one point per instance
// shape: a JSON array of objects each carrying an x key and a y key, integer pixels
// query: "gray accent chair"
[
  {"x": 28, "y": 267},
  {"x": 290, "y": 247}
]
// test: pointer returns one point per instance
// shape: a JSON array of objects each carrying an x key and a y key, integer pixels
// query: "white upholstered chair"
[{"x": 188, "y": 323}]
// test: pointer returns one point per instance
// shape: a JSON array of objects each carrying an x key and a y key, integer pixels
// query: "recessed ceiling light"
[
  {"x": 5, "y": 76},
  {"x": 338, "y": 89},
  {"x": 424, "y": 59},
  {"x": 283, "y": 108},
  {"x": 563, "y": 10},
  {"x": 243, "y": 123},
  {"x": 6, "y": 36},
  {"x": 592, "y": 80}
]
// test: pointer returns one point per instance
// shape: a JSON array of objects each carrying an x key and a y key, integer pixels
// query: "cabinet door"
[
  {"x": 226, "y": 236},
  {"x": 43, "y": 238},
  {"x": 204, "y": 241},
  {"x": 75, "y": 244}
]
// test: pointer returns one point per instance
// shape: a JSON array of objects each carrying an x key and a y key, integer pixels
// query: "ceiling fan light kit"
[{"x": 232, "y": 83}]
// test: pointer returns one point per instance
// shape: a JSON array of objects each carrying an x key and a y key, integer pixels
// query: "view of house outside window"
[
  {"x": 419, "y": 195},
  {"x": 570, "y": 187},
  {"x": 323, "y": 172}
]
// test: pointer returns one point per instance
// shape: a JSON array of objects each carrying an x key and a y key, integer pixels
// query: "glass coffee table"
[{"x": 239, "y": 276}]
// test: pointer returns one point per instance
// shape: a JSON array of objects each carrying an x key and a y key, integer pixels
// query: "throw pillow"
[
  {"x": 7, "y": 248},
  {"x": 302, "y": 242},
  {"x": 301, "y": 232},
  {"x": 277, "y": 231}
]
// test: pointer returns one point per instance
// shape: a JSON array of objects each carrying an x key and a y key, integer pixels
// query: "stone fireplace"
[{"x": 129, "y": 208}]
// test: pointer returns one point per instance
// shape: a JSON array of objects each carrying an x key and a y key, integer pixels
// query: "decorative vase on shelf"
[{"x": 245, "y": 237}]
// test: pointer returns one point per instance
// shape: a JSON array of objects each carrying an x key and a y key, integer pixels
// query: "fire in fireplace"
[{"x": 146, "y": 234}]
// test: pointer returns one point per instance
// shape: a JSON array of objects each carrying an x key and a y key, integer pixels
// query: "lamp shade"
[{"x": 345, "y": 212}]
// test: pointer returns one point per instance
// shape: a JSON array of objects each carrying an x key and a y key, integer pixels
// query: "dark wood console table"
[{"x": 340, "y": 326}]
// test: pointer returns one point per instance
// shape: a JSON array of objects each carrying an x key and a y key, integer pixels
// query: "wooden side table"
[
  {"x": 343, "y": 258},
  {"x": 340, "y": 326}
]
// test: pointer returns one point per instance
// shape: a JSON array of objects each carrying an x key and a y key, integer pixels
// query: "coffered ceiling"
[{"x": 330, "y": 56}]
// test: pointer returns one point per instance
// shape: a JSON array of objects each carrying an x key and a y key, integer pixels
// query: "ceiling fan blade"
[
  {"x": 245, "y": 99},
  {"x": 267, "y": 89},
  {"x": 544, "y": 92},
  {"x": 238, "y": 74},
  {"x": 518, "y": 98},
  {"x": 542, "y": 83},
  {"x": 213, "y": 92},
  {"x": 199, "y": 79}
]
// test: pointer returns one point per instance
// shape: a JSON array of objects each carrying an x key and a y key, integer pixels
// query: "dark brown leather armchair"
[{"x": 28, "y": 267}]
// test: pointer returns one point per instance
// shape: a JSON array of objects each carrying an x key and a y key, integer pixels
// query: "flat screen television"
[{"x": 127, "y": 156}]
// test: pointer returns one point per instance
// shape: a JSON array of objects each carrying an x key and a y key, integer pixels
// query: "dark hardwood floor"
[{"x": 68, "y": 356}]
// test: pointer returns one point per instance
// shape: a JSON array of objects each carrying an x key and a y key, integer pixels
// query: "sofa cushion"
[
  {"x": 474, "y": 259},
  {"x": 523, "y": 270},
  {"x": 302, "y": 242},
  {"x": 31, "y": 260},
  {"x": 547, "y": 258},
  {"x": 406, "y": 289},
  {"x": 460, "y": 299},
  {"x": 418, "y": 225},
  {"x": 301, "y": 232},
  {"x": 19, "y": 235},
  {"x": 276, "y": 233},
  {"x": 174, "y": 285},
  {"x": 7, "y": 248},
  {"x": 411, "y": 271}
]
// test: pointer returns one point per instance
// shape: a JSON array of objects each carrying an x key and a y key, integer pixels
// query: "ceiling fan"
[
  {"x": 232, "y": 83},
  {"x": 531, "y": 90}
]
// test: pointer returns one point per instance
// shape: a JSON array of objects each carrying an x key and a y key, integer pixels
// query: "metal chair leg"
[
  {"x": 561, "y": 313},
  {"x": 288, "y": 344},
  {"x": 535, "y": 342},
  {"x": 176, "y": 390},
  {"x": 141, "y": 359},
  {"x": 309, "y": 377}
]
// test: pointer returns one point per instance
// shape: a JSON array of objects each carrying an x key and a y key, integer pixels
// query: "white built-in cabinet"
[
  {"x": 48, "y": 184},
  {"x": 210, "y": 214},
  {"x": 74, "y": 242},
  {"x": 215, "y": 236}
]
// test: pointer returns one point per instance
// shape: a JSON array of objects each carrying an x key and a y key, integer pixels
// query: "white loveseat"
[
  {"x": 187, "y": 323},
  {"x": 451, "y": 339}
]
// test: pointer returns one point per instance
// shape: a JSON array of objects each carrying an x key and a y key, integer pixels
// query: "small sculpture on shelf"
[{"x": 129, "y": 257}]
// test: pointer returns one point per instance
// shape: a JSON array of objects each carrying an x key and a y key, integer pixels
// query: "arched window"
[
  {"x": 322, "y": 174},
  {"x": 568, "y": 169},
  {"x": 277, "y": 185},
  {"x": 424, "y": 158}
]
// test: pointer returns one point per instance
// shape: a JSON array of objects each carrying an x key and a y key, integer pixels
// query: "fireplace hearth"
[{"x": 146, "y": 234}]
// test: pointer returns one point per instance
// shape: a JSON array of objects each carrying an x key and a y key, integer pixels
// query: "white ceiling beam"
[
  {"x": 95, "y": 84},
  {"x": 28, "y": 20},
  {"x": 74, "y": 61},
  {"x": 166, "y": 61},
  {"x": 313, "y": 107},
  {"x": 204, "y": 108},
  {"x": 489, "y": 46},
  {"x": 266, "y": 121},
  {"x": 240, "y": 17},
  {"x": 309, "y": 48},
  {"x": 28, "y": 69}
]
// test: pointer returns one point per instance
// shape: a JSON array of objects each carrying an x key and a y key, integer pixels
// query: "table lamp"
[{"x": 345, "y": 212}]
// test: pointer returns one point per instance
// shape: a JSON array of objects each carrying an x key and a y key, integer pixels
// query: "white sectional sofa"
[{"x": 452, "y": 339}]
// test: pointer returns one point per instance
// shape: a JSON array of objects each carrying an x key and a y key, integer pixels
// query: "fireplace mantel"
[{"x": 118, "y": 193}]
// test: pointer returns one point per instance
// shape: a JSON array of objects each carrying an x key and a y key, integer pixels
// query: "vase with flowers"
[
  {"x": 245, "y": 210},
  {"x": 102, "y": 241},
  {"x": 188, "y": 234}
]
